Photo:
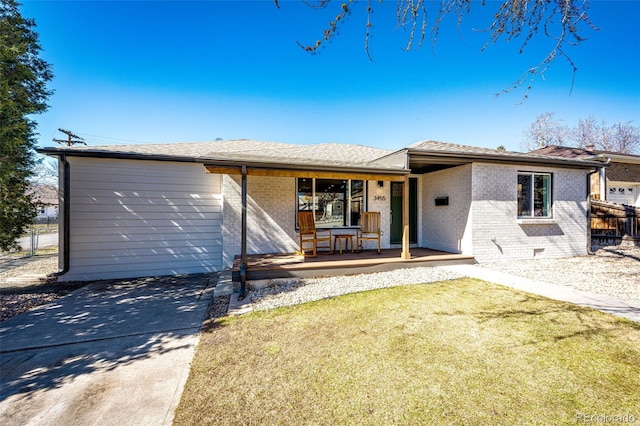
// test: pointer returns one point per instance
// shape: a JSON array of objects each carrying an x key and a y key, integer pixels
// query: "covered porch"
[
  {"x": 271, "y": 221},
  {"x": 269, "y": 266}
]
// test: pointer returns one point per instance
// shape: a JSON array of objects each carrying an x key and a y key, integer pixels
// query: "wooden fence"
[{"x": 611, "y": 223}]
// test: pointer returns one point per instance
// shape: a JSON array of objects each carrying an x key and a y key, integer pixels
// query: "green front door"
[{"x": 396, "y": 211}]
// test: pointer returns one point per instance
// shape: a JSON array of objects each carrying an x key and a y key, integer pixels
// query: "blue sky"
[{"x": 179, "y": 71}]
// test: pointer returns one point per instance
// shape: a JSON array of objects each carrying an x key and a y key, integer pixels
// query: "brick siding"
[
  {"x": 481, "y": 218},
  {"x": 270, "y": 216},
  {"x": 497, "y": 235},
  {"x": 447, "y": 227}
]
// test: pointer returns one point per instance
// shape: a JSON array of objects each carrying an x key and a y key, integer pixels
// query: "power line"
[
  {"x": 109, "y": 139},
  {"x": 72, "y": 139}
]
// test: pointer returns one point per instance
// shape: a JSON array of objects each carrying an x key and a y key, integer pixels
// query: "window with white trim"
[
  {"x": 335, "y": 202},
  {"x": 534, "y": 195}
]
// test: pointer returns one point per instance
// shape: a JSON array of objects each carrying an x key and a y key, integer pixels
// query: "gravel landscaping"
[
  {"x": 612, "y": 271},
  {"x": 18, "y": 298},
  {"x": 286, "y": 292},
  {"x": 27, "y": 298}
]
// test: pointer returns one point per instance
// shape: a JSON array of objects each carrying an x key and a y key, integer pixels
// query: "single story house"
[
  {"x": 619, "y": 183},
  {"x": 162, "y": 209},
  {"x": 47, "y": 198}
]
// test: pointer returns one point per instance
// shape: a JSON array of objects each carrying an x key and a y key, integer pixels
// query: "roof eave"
[
  {"x": 115, "y": 155},
  {"x": 509, "y": 158},
  {"x": 298, "y": 166},
  {"x": 220, "y": 162},
  {"x": 620, "y": 158}
]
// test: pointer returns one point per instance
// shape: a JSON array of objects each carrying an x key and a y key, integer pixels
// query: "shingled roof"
[
  {"x": 319, "y": 154},
  {"x": 571, "y": 152},
  {"x": 435, "y": 150},
  {"x": 623, "y": 168},
  {"x": 332, "y": 156},
  {"x": 240, "y": 151}
]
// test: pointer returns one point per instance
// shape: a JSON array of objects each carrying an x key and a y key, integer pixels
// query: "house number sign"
[{"x": 379, "y": 198}]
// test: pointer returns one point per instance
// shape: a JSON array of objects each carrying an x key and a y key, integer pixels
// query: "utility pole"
[{"x": 71, "y": 138}]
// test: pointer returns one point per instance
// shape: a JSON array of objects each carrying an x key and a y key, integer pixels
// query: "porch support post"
[
  {"x": 243, "y": 251},
  {"x": 405, "y": 219}
]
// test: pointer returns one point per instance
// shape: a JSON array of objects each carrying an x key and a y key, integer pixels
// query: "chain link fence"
[{"x": 37, "y": 240}]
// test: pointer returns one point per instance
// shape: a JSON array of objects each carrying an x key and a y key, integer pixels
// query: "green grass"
[
  {"x": 39, "y": 252},
  {"x": 44, "y": 227},
  {"x": 457, "y": 352}
]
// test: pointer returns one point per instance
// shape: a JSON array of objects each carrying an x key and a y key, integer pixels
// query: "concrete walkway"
[
  {"x": 109, "y": 353},
  {"x": 612, "y": 305}
]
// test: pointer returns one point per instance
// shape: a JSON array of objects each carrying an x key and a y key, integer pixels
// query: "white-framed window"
[
  {"x": 335, "y": 202},
  {"x": 534, "y": 195}
]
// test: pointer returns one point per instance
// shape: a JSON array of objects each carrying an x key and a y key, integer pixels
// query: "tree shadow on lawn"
[
  {"x": 100, "y": 327},
  {"x": 577, "y": 321}
]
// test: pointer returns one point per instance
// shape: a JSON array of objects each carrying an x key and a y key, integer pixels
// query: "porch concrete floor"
[{"x": 267, "y": 266}]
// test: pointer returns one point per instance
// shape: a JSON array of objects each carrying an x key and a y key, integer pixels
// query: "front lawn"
[{"x": 455, "y": 352}]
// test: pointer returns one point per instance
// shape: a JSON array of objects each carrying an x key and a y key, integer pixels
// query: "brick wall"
[
  {"x": 447, "y": 227},
  {"x": 379, "y": 200},
  {"x": 497, "y": 233},
  {"x": 270, "y": 216},
  {"x": 481, "y": 218}
]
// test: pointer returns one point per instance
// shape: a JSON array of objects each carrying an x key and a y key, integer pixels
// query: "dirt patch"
[{"x": 19, "y": 300}]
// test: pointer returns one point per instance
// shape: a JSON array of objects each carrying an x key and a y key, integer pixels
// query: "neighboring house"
[
  {"x": 47, "y": 198},
  {"x": 619, "y": 183},
  {"x": 164, "y": 209}
]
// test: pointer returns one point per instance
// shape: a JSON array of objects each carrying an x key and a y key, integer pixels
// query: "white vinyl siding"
[{"x": 143, "y": 218}]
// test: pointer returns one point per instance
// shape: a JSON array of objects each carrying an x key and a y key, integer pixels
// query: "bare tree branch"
[
  {"x": 622, "y": 137},
  {"x": 562, "y": 21}
]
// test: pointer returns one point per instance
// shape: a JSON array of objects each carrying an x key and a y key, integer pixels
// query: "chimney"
[{"x": 590, "y": 147}]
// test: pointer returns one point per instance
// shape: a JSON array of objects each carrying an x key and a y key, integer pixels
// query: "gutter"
[
  {"x": 66, "y": 216},
  {"x": 589, "y": 250},
  {"x": 505, "y": 158},
  {"x": 115, "y": 154}
]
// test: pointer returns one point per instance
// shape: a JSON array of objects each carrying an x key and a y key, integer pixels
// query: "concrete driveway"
[{"x": 114, "y": 352}]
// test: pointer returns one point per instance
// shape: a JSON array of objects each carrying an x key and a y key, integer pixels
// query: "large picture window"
[
  {"x": 534, "y": 195},
  {"x": 335, "y": 202}
]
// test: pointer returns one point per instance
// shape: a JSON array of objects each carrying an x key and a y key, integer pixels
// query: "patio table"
[{"x": 348, "y": 241}]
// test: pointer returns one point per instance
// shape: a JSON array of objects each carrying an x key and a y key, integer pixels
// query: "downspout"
[
  {"x": 589, "y": 251},
  {"x": 243, "y": 250},
  {"x": 603, "y": 184},
  {"x": 66, "y": 215}
]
